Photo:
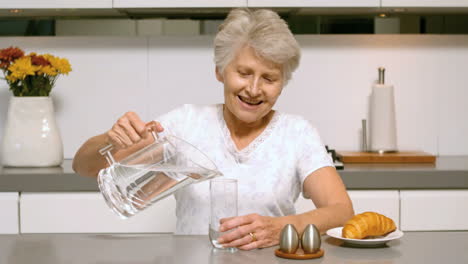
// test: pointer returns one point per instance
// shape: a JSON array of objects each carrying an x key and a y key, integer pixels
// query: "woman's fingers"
[
  {"x": 135, "y": 126},
  {"x": 151, "y": 126},
  {"x": 236, "y": 234},
  {"x": 241, "y": 241},
  {"x": 126, "y": 130},
  {"x": 223, "y": 220},
  {"x": 233, "y": 222},
  {"x": 114, "y": 139},
  {"x": 250, "y": 231},
  {"x": 250, "y": 246},
  {"x": 130, "y": 129},
  {"x": 122, "y": 136}
]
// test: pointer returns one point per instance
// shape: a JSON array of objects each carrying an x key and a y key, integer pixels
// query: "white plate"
[{"x": 367, "y": 242}]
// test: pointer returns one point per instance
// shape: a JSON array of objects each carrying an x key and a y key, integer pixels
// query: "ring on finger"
[{"x": 253, "y": 236}]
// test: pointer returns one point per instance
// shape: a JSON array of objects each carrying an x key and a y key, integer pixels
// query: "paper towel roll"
[{"x": 382, "y": 119}]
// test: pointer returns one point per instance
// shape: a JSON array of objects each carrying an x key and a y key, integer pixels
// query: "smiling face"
[{"x": 251, "y": 87}]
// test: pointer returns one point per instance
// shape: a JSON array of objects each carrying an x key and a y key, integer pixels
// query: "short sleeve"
[
  {"x": 174, "y": 122},
  {"x": 313, "y": 153}
]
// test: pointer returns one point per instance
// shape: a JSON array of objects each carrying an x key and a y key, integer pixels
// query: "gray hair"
[{"x": 264, "y": 31}]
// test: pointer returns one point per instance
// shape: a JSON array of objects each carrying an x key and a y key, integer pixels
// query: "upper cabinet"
[
  {"x": 200, "y": 8},
  {"x": 314, "y": 3},
  {"x": 17, "y": 4},
  {"x": 424, "y": 3},
  {"x": 178, "y": 3}
]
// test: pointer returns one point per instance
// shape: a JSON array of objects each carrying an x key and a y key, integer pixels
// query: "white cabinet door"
[
  {"x": 314, "y": 3},
  {"x": 9, "y": 216},
  {"x": 434, "y": 210},
  {"x": 56, "y": 4},
  {"x": 424, "y": 3},
  {"x": 178, "y": 3},
  {"x": 88, "y": 213},
  {"x": 384, "y": 202}
]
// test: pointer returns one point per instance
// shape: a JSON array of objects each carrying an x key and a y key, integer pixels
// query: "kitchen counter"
[
  {"x": 413, "y": 247},
  {"x": 449, "y": 172}
]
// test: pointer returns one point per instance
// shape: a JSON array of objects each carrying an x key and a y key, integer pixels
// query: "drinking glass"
[
  {"x": 151, "y": 174},
  {"x": 223, "y": 202}
]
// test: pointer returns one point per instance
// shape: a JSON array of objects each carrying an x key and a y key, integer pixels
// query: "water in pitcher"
[{"x": 130, "y": 189}]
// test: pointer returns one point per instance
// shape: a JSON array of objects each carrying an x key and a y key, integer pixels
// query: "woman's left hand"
[{"x": 250, "y": 231}]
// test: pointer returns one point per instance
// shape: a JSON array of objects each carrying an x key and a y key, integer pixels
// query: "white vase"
[{"x": 31, "y": 136}]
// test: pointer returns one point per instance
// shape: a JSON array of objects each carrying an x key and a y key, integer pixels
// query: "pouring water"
[{"x": 152, "y": 174}]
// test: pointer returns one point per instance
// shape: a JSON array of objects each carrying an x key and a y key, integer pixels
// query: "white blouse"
[{"x": 270, "y": 170}]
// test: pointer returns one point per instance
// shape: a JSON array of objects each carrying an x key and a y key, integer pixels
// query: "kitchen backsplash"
[{"x": 152, "y": 75}]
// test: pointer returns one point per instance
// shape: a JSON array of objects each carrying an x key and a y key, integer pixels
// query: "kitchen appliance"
[{"x": 337, "y": 163}]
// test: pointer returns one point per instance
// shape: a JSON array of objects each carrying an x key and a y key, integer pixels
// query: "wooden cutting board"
[{"x": 396, "y": 157}]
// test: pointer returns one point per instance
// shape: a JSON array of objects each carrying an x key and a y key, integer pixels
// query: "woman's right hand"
[{"x": 130, "y": 130}]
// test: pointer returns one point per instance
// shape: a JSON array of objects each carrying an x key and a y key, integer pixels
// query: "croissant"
[{"x": 368, "y": 224}]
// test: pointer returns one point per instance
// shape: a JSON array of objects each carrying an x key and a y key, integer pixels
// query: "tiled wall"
[{"x": 151, "y": 75}]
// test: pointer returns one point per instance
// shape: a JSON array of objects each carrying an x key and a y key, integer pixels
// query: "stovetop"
[{"x": 338, "y": 164}]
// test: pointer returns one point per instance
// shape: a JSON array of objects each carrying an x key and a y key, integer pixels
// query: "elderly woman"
[{"x": 274, "y": 156}]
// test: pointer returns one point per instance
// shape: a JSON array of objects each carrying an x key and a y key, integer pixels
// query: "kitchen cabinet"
[
  {"x": 424, "y": 3},
  {"x": 31, "y": 4},
  {"x": 87, "y": 212},
  {"x": 434, "y": 210},
  {"x": 178, "y": 3},
  {"x": 385, "y": 202},
  {"x": 9, "y": 209},
  {"x": 313, "y": 3}
]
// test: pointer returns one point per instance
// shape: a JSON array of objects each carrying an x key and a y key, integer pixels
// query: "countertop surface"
[
  {"x": 413, "y": 247},
  {"x": 449, "y": 172}
]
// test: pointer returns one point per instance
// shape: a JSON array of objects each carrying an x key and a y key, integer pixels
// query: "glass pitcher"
[{"x": 152, "y": 173}]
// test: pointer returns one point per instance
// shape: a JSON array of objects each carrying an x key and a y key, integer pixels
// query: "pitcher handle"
[{"x": 106, "y": 151}]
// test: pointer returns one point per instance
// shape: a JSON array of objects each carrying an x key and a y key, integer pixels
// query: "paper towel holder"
[
  {"x": 364, "y": 139},
  {"x": 372, "y": 148},
  {"x": 381, "y": 75}
]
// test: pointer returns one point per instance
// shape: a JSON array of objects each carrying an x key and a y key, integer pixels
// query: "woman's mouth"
[{"x": 249, "y": 101}]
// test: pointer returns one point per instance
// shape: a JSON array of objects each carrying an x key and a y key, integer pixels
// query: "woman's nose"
[{"x": 254, "y": 87}]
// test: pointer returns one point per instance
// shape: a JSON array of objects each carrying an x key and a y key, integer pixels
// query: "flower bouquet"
[
  {"x": 33, "y": 74},
  {"x": 31, "y": 136}
]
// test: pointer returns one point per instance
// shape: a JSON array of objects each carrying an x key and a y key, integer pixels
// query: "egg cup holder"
[{"x": 299, "y": 254}]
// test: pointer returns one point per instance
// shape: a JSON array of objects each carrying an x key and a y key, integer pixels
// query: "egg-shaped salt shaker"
[
  {"x": 310, "y": 239},
  {"x": 289, "y": 239}
]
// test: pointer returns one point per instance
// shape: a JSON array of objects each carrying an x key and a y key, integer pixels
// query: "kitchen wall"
[{"x": 151, "y": 75}]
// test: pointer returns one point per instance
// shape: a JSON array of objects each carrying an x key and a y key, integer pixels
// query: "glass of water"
[{"x": 223, "y": 201}]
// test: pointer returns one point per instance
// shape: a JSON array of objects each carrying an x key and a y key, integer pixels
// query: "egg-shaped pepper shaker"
[
  {"x": 289, "y": 239},
  {"x": 311, "y": 239}
]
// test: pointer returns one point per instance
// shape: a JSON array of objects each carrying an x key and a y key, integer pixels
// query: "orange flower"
[
  {"x": 33, "y": 74},
  {"x": 39, "y": 60},
  {"x": 8, "y": 55}
]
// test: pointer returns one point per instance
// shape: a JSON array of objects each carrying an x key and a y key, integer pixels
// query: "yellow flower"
[
  {"x": 21, "y": 68},
  {"x": 31, "y": 75},
  {"x": 60, "y": 64},
  {"x": 47, "y": 70}
]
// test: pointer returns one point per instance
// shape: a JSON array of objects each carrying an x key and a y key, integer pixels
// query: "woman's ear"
[{"x": 219, "y": 75}]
